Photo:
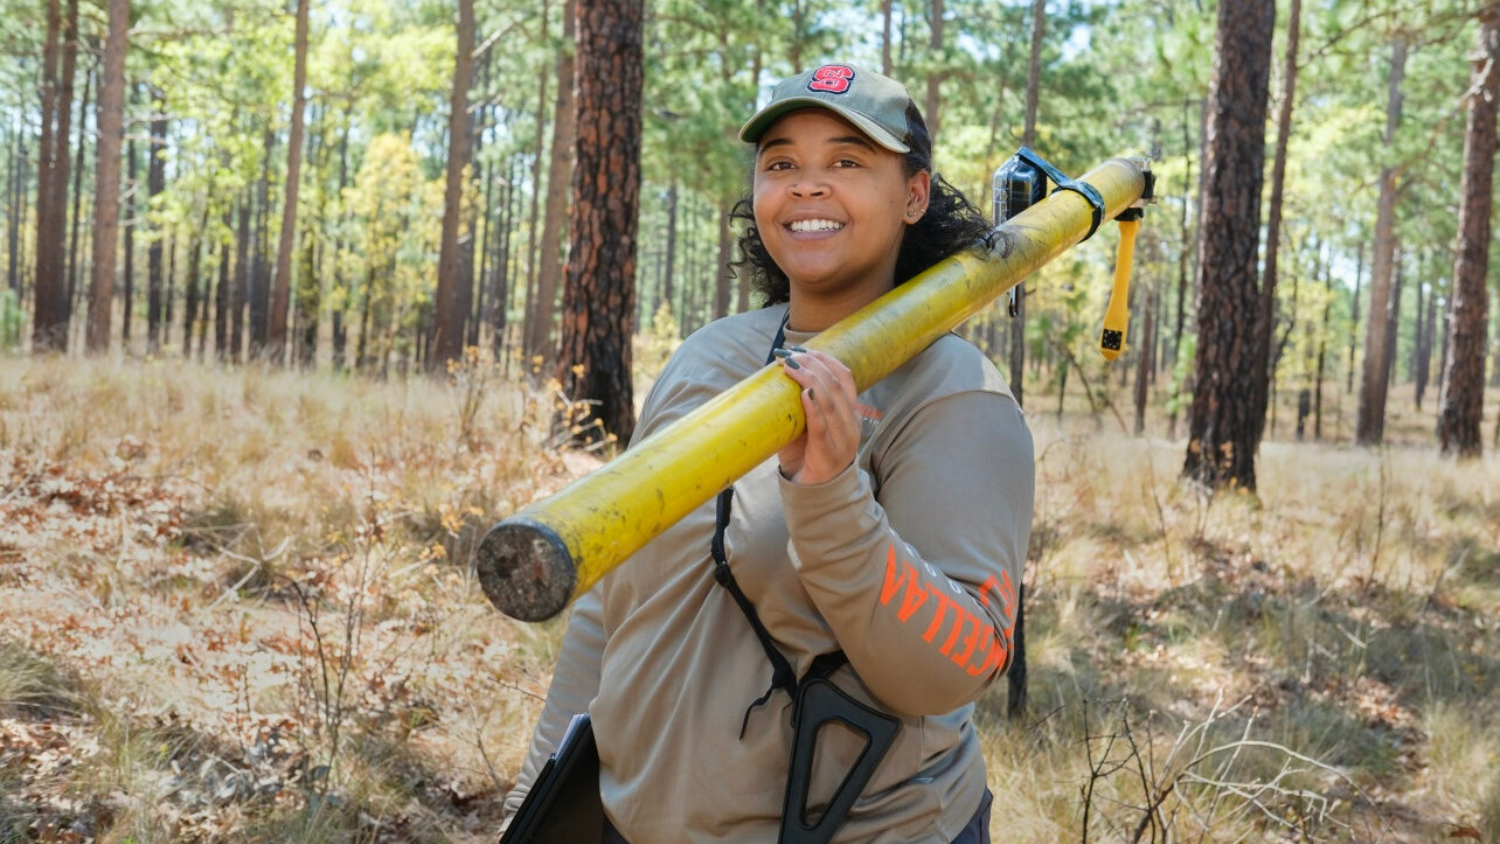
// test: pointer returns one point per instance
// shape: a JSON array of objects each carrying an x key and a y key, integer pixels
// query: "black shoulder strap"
[{"x": 782, "y": 676}]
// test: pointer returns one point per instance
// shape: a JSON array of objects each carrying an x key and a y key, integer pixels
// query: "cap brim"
[{"x": 756, "y": 126}]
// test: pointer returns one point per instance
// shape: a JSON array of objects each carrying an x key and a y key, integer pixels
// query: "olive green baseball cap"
[{"x": 874, "y": 103}]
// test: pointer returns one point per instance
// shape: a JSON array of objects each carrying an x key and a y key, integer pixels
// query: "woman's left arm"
[{"x": 919, "y": 584}]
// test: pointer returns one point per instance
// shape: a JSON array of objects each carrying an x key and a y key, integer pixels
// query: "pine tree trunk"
[
  {"x": 1354, "y": 300},
  {"x": 156, "y": 182},
  {"x": 107, "y": 176},
  {"x": 222, "y": 295},
  {"x": 340, "y": 330},
  {"x": 1418, "y": 367},
  {"x": 276, "y": 333},
  {"x": 1322, "y": 358},
  {"x": 722, "y": 272},
  {"x": 599, "y": 299},
  {"x": 190, "y": 306},
  {"x": 70, "y": 295},
  {"x": 933, "y": 108},
  {"x": 536, "y": 310},
  {"x": 1266, "y": 321},
  {"x": 1372, "y": 391},
  {"x": 13, "y": 204},
  {"x": 309, "y": 302},
  {"x": 1145, "y": 346},
  {"x": 129, "y": 238},
  {"x": 559, "y": 176},
  {"x": 52, "y": 193},
  {"x": 447, "y": 321},
  {"x": 260, "y": 299},
  {"x": 241, "y": 284},
  {"x": 1462, "y": 407},
  {"x": 1223, "y": 426},
  {"x": 1393, "y": 320},
  {"x": 1028, "y": 139}
]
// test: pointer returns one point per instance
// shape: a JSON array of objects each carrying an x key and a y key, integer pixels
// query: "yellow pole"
[{"x": 533, "y": 563}]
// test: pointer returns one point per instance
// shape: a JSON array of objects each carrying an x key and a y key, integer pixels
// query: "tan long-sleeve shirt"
[{"x": 909, "y": 562}]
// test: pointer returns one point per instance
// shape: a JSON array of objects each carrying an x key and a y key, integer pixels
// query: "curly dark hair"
[{"x": 951, "y": 223}]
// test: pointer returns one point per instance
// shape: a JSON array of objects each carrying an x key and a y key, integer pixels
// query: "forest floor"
[{"x": 234, "y": 606}]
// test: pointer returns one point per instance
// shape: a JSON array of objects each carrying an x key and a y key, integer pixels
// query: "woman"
[{"x": 880, "y": 552}]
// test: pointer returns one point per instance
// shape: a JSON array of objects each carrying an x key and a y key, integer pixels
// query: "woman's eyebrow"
[{"x": 851, "y": 140}]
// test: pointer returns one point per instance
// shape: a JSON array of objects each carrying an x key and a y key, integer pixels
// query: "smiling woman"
[
  {"x": 871, "y": 566},
  {"x": 946, "y": 223}
]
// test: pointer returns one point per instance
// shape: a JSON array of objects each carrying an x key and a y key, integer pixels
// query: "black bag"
[{"x": 563, "y": 805}]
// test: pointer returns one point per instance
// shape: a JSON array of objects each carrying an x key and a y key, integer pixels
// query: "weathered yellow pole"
[{"x": 533, "y": 563}]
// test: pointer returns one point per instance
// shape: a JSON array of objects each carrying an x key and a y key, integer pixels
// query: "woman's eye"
[
  {"x": 779, "y": 165},
  {"x": 847, "y": 162}
]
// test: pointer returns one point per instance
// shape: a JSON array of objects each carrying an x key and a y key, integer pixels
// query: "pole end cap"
[{"x": 525, "y": 569}]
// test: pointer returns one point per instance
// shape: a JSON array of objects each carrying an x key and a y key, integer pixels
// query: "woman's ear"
[{"x": 918, "y": 192}]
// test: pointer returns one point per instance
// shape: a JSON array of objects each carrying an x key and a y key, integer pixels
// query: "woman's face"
[{"x": 832, "y": 206}]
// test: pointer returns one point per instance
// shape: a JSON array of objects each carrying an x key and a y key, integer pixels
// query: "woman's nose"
[{"x": 809, "y": 187}]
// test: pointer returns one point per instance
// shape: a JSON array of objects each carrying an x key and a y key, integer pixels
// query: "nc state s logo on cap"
[{"x": 831, "y": 79}]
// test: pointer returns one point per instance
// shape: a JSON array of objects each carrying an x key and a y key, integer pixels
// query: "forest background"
[{"x": 253, "y": 518}]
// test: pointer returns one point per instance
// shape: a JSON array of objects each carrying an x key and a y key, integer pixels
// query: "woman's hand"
[{"x": 830, "y": 403}]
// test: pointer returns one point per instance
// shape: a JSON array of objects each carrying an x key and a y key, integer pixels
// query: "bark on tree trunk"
[
  {"x": 107, "y": 176},
  {"x": 156, "y": 182},
  {"x": 1223, "y": 427},
  {"x": 70, "y": 294},
  {"x": 1462, "y": 407},
  {"x": 276, "y": 334},
  {"x": 723, "y": 275},
  {"x": 221, "y": 297},
  {"x": 1028, "y": 139},
  {"x": 1266, "y": 322},
  {"x": 47, "y": 335},
  {"x": 536, "y": 310},
  {"x": 241, "y": 282},
  {"x": 128, "y": 276},
  {"x": 448, "y": 323},
  {"x": 1372, "y": 389},
  {"x": 1354, "y": 300},
  {"x": 51, "y": 321},
  {"x": 594, "y": 355},
  {"x": 559, "y": 176},
  {"x": 933, "y": 109},
  {"x": 260, "y": 298}
]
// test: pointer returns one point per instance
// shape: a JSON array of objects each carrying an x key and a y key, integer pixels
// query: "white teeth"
[{"x": 815, "y": 226}]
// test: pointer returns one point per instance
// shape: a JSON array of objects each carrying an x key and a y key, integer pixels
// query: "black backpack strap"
[{"x": 782, "y": 675}]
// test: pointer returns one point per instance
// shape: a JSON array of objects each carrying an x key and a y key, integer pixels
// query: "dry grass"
[{"x": 234, "y": 606}]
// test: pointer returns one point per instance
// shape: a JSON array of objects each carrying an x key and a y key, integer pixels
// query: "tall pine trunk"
[
  {"x": 594, "y": 354},
  {"x": 1373, "y": 379},
  {"x": 1462, "y": 406},
  {"x": 276, "y": 334},
  {"x": 107, "y": 176},
  {"x": 129, "y": 238},
  {"x": 1028, "y": 139},
  {"x": 1223, "y": 426},
  {"x": 535, "y": 310},
  {"x": 156, "y": 182},
  {"x": 1266, "y": 320},
  {"x": 448, "y": 323},
  {"x": 559, "y": 177}
]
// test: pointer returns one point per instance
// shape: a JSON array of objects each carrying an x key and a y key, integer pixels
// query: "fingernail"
[
  {"x": 793, "y": 364},
  {"x": 811, "y": 396},
  {"x": 796, "y": 348},
  {"x": 782, "y": 353}
]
